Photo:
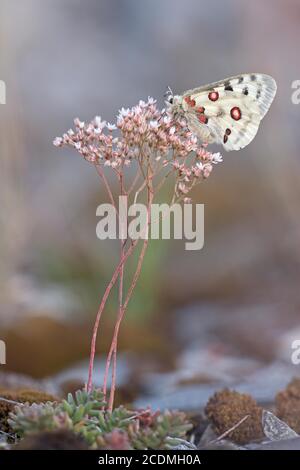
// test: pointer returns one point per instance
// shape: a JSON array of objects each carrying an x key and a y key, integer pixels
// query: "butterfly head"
[
  {"x": 174, "y": 102},
  {"x": 169, "y": 95}
]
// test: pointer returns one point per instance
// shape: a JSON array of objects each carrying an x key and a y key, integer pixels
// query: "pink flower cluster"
[
  {"x": 189, "y": 174},
  {"x": 142, "y": 132}
]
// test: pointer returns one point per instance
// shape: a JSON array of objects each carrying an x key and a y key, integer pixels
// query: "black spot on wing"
[
  {"x": 241, "y": 79},
  {"x": 252, "y": 78},
  {"x": 228, "y": 87},
  {"x": 245, "y": 91}
]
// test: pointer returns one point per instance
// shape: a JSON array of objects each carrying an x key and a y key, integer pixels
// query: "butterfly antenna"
[{"x": 168, "y": 92}]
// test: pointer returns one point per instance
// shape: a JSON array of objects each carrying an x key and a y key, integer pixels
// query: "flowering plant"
[{"x": 156, "y": 146}]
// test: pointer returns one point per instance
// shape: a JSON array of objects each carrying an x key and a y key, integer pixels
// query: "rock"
[{"x": 275, "y": 429}]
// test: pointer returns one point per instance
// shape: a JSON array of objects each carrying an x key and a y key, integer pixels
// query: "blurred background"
[{"x": 225, "y": 314}]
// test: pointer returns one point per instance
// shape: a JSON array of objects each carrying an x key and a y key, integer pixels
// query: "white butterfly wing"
[
  {"x": 235, "y": 134},
  {"x": 229, "y": 111}
]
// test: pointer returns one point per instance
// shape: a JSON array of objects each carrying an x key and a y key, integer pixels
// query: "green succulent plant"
[{"x": 86, "y": 414}]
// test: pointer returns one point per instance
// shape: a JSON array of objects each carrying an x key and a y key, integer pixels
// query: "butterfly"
[{"x": 227, "y": 112}]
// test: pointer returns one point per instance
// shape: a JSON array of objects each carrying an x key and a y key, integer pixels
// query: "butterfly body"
[{"x": 226, "y": 112}]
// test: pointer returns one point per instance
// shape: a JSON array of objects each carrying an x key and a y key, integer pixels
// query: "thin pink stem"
[
  {"x": 114, "y": 366},
  {"x": 114, "y": 344},
  {"x": 135, "y": 180},
  {"x": 107, "y": 291},
  {"x": 100, "y": 311},
  {"x": 113, "y": 347},
  {"x": 121, "y": 274},
  {"x": 106, "y": 183}
]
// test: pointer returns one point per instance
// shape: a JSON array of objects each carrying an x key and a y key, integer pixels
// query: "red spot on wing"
[
  {"x": 189, "y": 101},
  {"x": 213, "y": 96},
  {"x": 236, "y": 113},
  {"x": 201, "y": 109},
  {"x": 202, "y": 118}
]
